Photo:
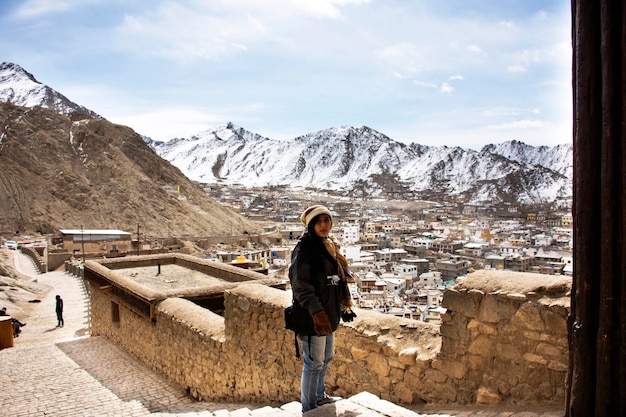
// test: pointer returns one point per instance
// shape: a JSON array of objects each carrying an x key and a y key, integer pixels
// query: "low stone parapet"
[
  {"x": 38, "y": 260},
  {"x": 498, "y": 343}
]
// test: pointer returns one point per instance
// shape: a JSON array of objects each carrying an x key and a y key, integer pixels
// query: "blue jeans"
[{"x": 317, "y": 355}]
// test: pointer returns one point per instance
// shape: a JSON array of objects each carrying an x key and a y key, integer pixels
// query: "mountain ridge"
[{"x": 360, "y": 157}]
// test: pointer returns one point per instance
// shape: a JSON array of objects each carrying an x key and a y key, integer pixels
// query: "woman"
[{"x": 319, "y": 276}]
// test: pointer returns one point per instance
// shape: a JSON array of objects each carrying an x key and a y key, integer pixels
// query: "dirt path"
[{"x": 37, "y": 308}]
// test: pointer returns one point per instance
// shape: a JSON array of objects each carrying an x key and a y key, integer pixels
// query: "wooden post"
[{"x": 596, "y": 381}]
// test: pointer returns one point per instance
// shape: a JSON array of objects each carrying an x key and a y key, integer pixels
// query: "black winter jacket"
[{"x": 314, "y": 279}]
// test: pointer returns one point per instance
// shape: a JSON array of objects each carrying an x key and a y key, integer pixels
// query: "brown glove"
[{"x": 321, "y": 323}]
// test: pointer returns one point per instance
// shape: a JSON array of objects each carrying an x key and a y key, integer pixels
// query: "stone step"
[{"x": 361, "y": 405}]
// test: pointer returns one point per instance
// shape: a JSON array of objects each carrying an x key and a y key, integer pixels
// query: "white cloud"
[
  {"x": 425, "y": 84},
  {"x": 517, "y": 68},
  {"x": 183, "y": 34},
  {"x": 196, "y": 30},
  {"x": 501, "y": 111},
  {"x": 34, "y": 8},
  {"x": 401, "y": 76},
  {"x": 329, "y": 9},
  {"x": 398, "y": 51},
  {"x": 475, "y": 49},
  {"x": 446, "y": 88},
  {"x": 322, "y": 8}
]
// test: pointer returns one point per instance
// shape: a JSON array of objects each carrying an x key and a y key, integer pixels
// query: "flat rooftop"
[
  {"x": 172, "y": 277},
  {"x": 180, "y": 276}
]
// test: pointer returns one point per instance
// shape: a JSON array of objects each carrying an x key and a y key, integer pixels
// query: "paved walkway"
[{"x": 63, "y": 372}]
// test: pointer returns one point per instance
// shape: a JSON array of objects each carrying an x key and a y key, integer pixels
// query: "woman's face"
[{"x": 323, "y": 225}]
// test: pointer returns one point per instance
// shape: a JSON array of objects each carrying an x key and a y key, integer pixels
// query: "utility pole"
[{"x": 82, "y": 242}]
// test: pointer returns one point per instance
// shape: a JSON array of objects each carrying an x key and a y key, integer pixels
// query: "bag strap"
[
  {"x": 295, "y": 335},
  {"x": 295, "y": 342}
]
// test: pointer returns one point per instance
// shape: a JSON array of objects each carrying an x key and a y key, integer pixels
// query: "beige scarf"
[{"x": 332, "y": 246}]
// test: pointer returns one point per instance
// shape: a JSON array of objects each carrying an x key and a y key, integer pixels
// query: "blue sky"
[{"x": 448, "y": 72}]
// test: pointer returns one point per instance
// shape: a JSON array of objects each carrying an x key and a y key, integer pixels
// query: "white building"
[
  {"x": 351, "y": 233},
  {"x": 405, "y": 269},
  {"x": 429, "y": 279},
  {"x": 352, "y": 252},
  {"x": 543, "y": 240},
  {"x": 388, "y": 255},
  {"x": 423, "y": 242},
  {"x": 476, "y": 248},
  {"x": 395, "y": 285}
]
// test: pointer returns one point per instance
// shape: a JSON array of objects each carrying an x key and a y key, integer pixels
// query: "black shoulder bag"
[{"x": 298, "y": 320}]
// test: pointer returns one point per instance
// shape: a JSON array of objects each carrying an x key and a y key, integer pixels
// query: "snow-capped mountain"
[
  {"x": 357, "y": 161},
  {"x": 559, "y": 157},
  {"x": 19, "y": 87},
  {"x": 360, "y": 160}
]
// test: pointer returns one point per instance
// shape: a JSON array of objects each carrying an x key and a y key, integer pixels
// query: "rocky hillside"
[{"x": 59, "y": 172}]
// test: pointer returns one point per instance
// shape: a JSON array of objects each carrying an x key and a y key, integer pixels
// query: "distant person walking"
[{"x": 59, "y": 311}]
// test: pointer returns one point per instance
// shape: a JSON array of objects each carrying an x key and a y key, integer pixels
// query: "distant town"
[{"x": 403, "y": 254}]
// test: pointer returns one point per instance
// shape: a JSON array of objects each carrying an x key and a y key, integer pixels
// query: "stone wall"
[
  {"x": 494, "y": 346},
  {"x": 505, "y": 336},
  {"x": 57, "y": 259},
  {"x": 37, "y": 258}
]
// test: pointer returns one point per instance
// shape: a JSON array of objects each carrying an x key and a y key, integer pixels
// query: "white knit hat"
[{"x": 310, "y": 213}]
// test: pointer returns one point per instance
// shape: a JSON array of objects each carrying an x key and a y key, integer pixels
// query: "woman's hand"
[
  {"x": 321, "y": 323},
  {"x": 347, "y": 314}
]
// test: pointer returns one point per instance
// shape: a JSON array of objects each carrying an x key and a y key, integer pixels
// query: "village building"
[
  {"x": 475, "y": 248},
  {"x": 429, "y": 280},
  {"x": 421, "y": 265},
  {"x": 446, "y": 246},
  {"x": 101, "y": 241},
  {"x": 493, "y": 261},
  {"x": 519, "y": 263},
  {"x": 406, "y": 269},
  {"x": 396, "y": 282},
  {"x": 414, "y": 249},
  {"x": 452, "y": 268},
  {"x": 389, "y": 255},
  {"x": 291, "y": 232},
  {"x": 350, "y": 233}
]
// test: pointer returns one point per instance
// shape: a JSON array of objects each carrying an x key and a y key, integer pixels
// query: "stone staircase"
[{"x": 363, "y": 404}]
